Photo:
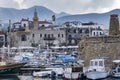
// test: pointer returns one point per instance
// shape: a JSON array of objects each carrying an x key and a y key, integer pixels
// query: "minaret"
[
  {"x": 35, "y": 20},
  {"x": 114, "y": 25}
]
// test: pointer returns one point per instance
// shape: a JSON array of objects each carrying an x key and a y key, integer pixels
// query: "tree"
[{"x": 53, "y": 17}]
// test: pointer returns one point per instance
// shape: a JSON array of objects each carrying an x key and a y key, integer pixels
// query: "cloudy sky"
[{"x": 69, "y": 6}]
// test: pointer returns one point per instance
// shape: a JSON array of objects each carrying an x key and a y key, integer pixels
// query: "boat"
[
  {"x": 97, "y": 69},
  {"x": 10, "y": 68},
  {"x": 116, "y": 69},
  {"x": 41, "y": 74},
  {"x": 73, "y": 73}
]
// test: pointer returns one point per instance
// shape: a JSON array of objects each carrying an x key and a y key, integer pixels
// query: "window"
[
  {"x": 52, "y": 35},
  {"x": 24, "y": 25},
  {"x": 40, "y": 35},
  {"x": 70, "y": 36},
  {"x": 74, "y": 30},
  {"x": 23, "y": 37},
  {"x": 94, "y": 33},
  {"x": 62, "y": 36},
  {"x": 96, "y": 63},
  {"x": 48, "y": 35},
  {"x": 80, "y": 31},
  {"x": 58, "y": 35},
  {"x": 33, "y": 35},
  {"x": 87, "y": 31},
  {"x": 68, "y": 30},
  {"x": 45, "y": 35},
  {"x": 91, "y": 63},
  {"x": 100, "y": 63}
]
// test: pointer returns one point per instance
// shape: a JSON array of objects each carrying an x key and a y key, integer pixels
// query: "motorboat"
[
  {"x": 97, "y": 69},
  {"x": 41, "y": 74},
  {"x": 73, "y": 73},
  {"x": 116, "y": 68}
]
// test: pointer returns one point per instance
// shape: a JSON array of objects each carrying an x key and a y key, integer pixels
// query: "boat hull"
[
  {"x": 96, "y": 75},
  {"x": 71, "y": 76},
  {"x": 10, "y": 68},
  {"x": 116, "y": 75}
]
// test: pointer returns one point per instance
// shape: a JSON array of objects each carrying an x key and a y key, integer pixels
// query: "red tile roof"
[
  {"x": 2, "y": 33},
  {"x": 23, "y": 19},
  {"x": 44, "y": 22},
  {"x": 17, "y": 23}
]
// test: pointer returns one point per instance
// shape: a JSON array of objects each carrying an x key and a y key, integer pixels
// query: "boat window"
[
  {"x": 96, "y": 63},
  {"x": 100, "y": 63},
  {"x": 91, "y": 63}
]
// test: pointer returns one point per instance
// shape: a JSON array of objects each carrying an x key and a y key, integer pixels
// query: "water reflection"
[
  {"x": 14, "y": 77},
  {"x": 9, "y": 77}
]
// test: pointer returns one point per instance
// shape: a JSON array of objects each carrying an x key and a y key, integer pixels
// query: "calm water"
[
  {"x": 9, "y": 77},
  {"x": 31, "y": 78}
]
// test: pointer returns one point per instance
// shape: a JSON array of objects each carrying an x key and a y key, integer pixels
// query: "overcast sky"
[{"x": 69, "y": 6}]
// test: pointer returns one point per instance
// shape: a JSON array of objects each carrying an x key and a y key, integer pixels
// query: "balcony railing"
[{"x": 49, "y": 38}]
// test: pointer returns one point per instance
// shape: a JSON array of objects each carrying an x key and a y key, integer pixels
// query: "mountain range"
[{"x": 46, "y": 14}]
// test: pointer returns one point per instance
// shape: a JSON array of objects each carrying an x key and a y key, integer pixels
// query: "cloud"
[
  {"x": 69, "y": 6},
  {"x": 9, "y": 4}
]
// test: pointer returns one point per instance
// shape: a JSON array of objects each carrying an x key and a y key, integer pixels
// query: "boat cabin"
[
  {"x": 116, "y": 65},
  {"x": 96, "y": 65}
]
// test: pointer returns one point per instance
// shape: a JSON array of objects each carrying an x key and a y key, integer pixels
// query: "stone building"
[
  {"x": 35, "y": 32},
  {"x": 107, "y": 47},
  {"x": 76, "y": 30}
]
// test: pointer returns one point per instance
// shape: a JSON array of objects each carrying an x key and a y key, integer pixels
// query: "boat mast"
[{"x": 9, "y": 41}]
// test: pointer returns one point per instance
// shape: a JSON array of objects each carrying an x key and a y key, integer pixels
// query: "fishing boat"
[
  {"x": 73, "y": 73},
  {"x": 8, "y": 65},
  {"x": 97, "y": 69},
  {"x": 116, "y": 69},
  {"x": 10, "y": 68}
]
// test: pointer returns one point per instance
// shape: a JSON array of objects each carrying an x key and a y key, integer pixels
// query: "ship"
[{"x": 10, "y": 68}]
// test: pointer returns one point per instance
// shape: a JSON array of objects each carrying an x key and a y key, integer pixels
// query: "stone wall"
[{"x": 93, "y": 47}]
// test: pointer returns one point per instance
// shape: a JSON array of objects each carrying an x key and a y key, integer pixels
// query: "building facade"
[
  {"x": 35, "y": 32},
  {"x": 75, "y": 31}
]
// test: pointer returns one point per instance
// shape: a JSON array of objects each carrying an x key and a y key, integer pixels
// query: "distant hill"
[
  {"x": 17, "y": 15},
  {"x": 102, "y": 18},
  {"x": 45, "y": 14}
]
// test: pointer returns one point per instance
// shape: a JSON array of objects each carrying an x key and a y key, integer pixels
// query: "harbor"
[
  {"x": 51, "y": 64},
  {"x": 33, "y": 49}
]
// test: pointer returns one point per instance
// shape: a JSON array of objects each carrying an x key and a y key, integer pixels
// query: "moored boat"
[
  {"x": 73, "y": 73},
  {"x": 116, "y": 69},
  {"x": 41, "y": 74},
  {"x": 97, "y": 69},
  {"x": 10, "y": 68}
]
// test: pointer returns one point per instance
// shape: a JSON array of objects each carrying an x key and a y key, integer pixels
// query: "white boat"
[
  {"x": 116, "y": 69},
  {"x": 41, "y": 74},
  {"x": 57, "y": 70},
  {"x": 97, "y": 69},
  {"x": 73, "y": 73}
]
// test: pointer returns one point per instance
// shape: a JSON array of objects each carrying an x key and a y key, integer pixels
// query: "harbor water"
[{"x": 14, "y": 77}]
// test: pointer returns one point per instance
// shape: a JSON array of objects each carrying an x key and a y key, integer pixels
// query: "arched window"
[{"x": 23, "y": 37}]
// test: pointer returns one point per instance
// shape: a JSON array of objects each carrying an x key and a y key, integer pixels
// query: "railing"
[{"x": 49, "y": 38}]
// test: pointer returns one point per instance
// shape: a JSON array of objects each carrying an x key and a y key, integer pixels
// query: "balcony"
[{"x": 49, "y": 38}]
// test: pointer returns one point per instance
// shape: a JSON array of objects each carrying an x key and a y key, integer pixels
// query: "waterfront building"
[
  {"x": 76, "y": 30},
  {"x": 104, "y": 46},
  {"x": 35, "y": 32}
]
